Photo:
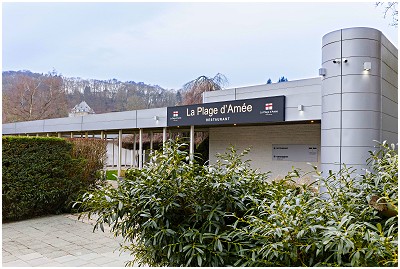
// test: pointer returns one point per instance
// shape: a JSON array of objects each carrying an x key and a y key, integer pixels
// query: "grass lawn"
[{"x": 110, "y": 173}]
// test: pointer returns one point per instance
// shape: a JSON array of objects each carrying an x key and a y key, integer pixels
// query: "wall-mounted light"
[
  {"x": 367, "y": 66},
  {"x": 155, "y": 117},
  {"x": 300, "y": 107},
  {"x": 322, "y": 71}
]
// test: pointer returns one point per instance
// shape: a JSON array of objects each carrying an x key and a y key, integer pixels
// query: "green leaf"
[{"x": 199, "y": 260}]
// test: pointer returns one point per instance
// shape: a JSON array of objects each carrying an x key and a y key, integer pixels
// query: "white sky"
[{"x": 169, "y": 44}]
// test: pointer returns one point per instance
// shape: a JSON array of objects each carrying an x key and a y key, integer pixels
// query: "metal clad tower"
[{"x": 359, "y": 96}]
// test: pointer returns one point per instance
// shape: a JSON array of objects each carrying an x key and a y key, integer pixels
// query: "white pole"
[
  {"x": 119, "y": 152},
  {"x": 191, "y": 151},
  {"x": 164, "y": 135},
  {"x": 140, "y": 148},
  {"x": 134, "y": 150},
  {"x": 151, "y": 141}
]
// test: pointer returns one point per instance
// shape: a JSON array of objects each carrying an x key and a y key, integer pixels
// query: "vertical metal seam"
[{"x": 341, "y": 99}]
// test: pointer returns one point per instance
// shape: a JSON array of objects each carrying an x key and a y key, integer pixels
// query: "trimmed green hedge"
[{"x": 39, "y": 176}]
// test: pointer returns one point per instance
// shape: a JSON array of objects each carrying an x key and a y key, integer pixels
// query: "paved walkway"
[{"x": 60, "y": 240}]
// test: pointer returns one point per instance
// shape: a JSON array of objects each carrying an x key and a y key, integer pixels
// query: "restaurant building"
[{"x": 327, "y": 120}]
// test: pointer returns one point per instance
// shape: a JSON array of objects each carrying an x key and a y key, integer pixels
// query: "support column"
[
  {"x": 48, "y": 135},
  {"x": 102, "y": 135},
  {"x": 86, "y": 135},
  {"x": 151, "y": 141},
  {"x": 72, "y": 135},
  {"x": 133, "y": 160},
  {"x": 37, "y": 135},
  {"x": 119, "y": 152},
  {"x": 164, "y": 135},
  {"x": 59, "y": 135},
  {"x": 113, "y": 153},
  {"x": 140, "y": 148},
  {"x": 191, "y": 151}
]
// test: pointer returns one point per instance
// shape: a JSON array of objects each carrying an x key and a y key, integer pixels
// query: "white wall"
[
  {"x": 126, "y": 155},
  {"x": 261, "y": 139}
]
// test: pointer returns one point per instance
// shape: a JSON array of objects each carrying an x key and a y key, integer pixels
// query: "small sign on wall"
[{"x": 295, "y": 153}]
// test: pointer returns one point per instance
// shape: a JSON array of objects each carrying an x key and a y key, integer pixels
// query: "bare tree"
[
  {"x": 193, "y": 90},
  {"x": 390, "y": 8},
  {"x": 35, "y": 98}
]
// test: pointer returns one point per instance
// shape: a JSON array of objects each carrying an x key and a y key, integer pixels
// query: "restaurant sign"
[{"x": 259, "y": 110}]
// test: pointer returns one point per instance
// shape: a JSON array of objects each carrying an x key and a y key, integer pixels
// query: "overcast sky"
[{"x": 169, "y": 44}]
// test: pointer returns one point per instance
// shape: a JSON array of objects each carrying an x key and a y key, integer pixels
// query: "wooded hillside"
[{"x": 32, "y": 96}]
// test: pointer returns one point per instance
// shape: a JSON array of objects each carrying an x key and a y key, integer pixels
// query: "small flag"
[
  {"x": 268, "y": 106},
  {"x": 175, "y": 114}
]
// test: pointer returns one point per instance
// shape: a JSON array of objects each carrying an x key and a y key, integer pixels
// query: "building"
[
  {"x": 327, "y": 120},
  {"x": 81, "y": 109}
]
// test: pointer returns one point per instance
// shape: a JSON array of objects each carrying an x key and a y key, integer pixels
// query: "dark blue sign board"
[{"x": 258, "y": 110}]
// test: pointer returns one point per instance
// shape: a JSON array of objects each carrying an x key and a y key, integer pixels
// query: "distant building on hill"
[{"x": 81, "y": 109}]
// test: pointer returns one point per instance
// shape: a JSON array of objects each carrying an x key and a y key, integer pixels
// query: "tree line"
[{"x": 31, "y": 96}]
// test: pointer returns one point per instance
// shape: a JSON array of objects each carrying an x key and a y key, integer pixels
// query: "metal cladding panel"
[
  {"x": 305, "y": 99},
  {"x": 310, "y": 89},
  {"x": 325, "y": 167},
  {"x": 389, "y": 107},
  {"x": 29, "y": 127},
  {"x": 72, "y": 124},
  {"x": 389, "y": 45},
  {"x": 331, "y": 103},
  {"x": 361, "y": 119},
  {"x": 361, "y": 48},
  {"x": 389, "y": 59},
  {"x": 331, "y": 52},
  {"x": 265, "y": 90},
  {"x": 390, "y": 123},
  {"x": 355, "y": 66},
  {"x": 330, "y": 154},
  {"x": 361, "y": 83},
  {"x": 359, "y": 137},
  {"x": 330, "y": 138},
  {"x": 109, "y": 121},
  {"x": 390, "y": 137},
  {"x": 146, "y": 118},
  {"x": 8, "y": 128},
  {"x": 332, "y": 69},
  {"x": 355, "y": 155},
  {"x": 389, "y": 75},
  {"x": 331, "y": 37},
  {"x": 330, "y": 86},
  {"x": 389, "y": 91},
  {"x": 259, "y": 110},
  {"x": 361, "y": 101},
  {"x": 218, "y": 96},
  {"x": 309, "y": 113},
  {"x": 361, "y": 32},
  {"x": 330, "y": 120}
]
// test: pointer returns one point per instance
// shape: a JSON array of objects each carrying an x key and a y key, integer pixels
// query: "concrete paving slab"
[{"x": 59, "y": 241}]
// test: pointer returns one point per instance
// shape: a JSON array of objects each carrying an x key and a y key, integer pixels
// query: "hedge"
[{"x": 39, "y": 176}]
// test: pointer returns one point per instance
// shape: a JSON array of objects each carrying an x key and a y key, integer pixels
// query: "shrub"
[
  {"x": 94, "y": 152},
  {"x": 39, "y": 176},
  {"x": 175, "y": 212}
]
